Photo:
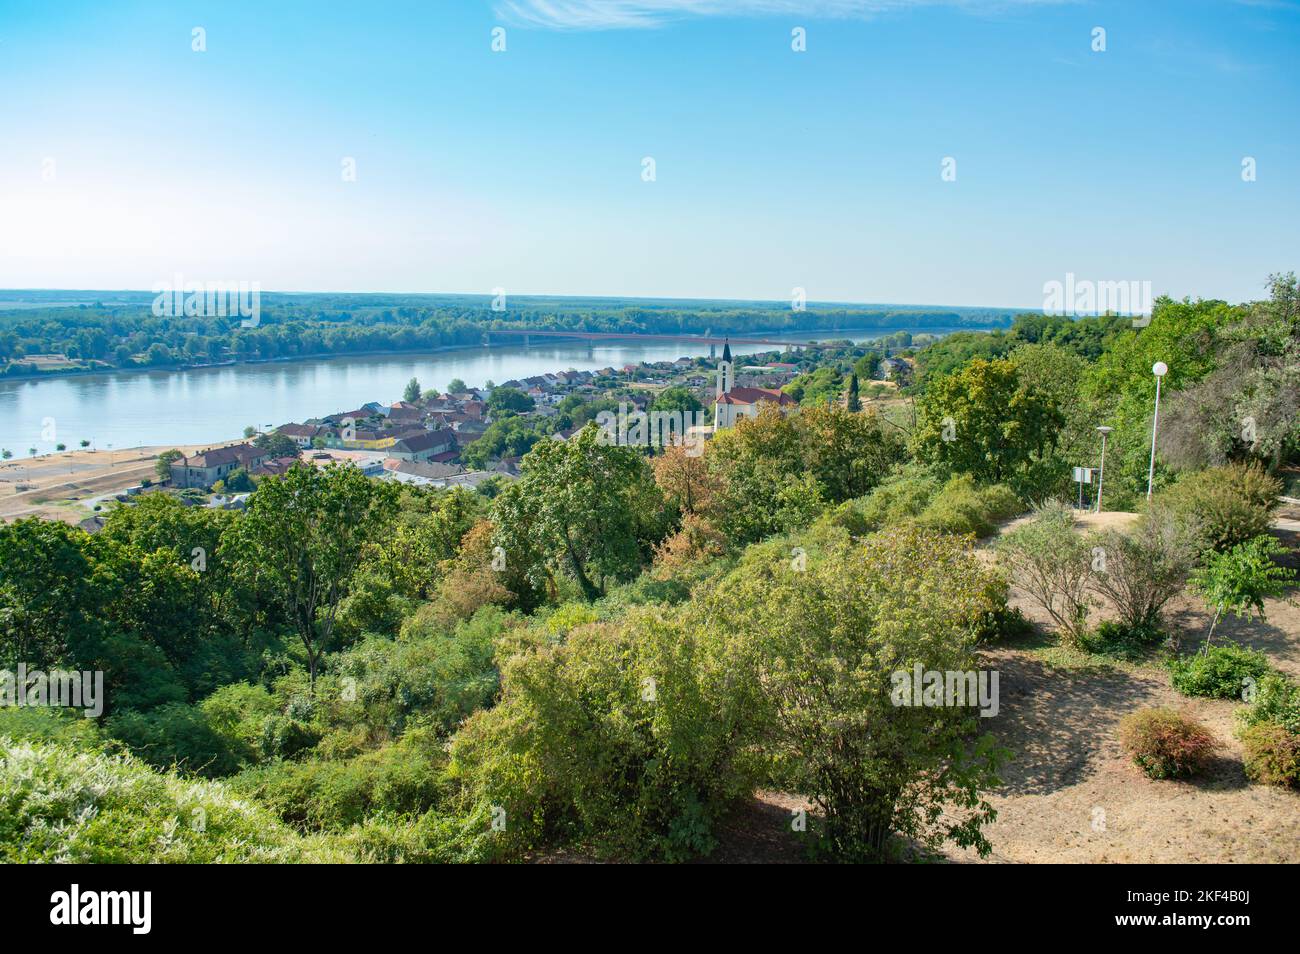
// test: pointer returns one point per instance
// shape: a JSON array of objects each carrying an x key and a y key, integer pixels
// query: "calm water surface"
[{"x": 213, "y": 404}]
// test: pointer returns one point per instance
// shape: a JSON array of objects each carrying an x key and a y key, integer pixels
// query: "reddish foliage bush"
[{"x": 1166, "y": 744}]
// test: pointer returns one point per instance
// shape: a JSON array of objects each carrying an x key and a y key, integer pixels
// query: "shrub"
[
  {"x": 1238, "y": 580},
  {"x": 1277, "y": 700},
  {"x": 1003, "y": 624},
  {"x": 1222, "y": 672},
  {"x": 1142, "y": 570},
  {"x": 1272, "y": 754},
  {"x": 1231, "y": 504},
  {"x": 1052, "y": 564},
  {"x": 901, "y": 497},
  {"x": 829, "y": 641},
  {"x": 1121, "y": 640},
  {"x": 431, "y": 838},
  {"x": 175, "y": 735},
  {"x": 402, "y": 778},
  {"x": 237, "y": 713},
  {"x": 434, "y": 673},
  {"x": 631, "y": 739},
  {"x": 283, "y": 737},
  {"x": 58, "y": 804},
  {"x": 1166, "y": 744}
]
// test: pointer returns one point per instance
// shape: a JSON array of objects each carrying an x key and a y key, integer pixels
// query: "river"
[{"x": 131, "y": 409}]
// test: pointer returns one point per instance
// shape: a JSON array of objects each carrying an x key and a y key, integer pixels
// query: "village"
[{"x": 472, "y": 437}]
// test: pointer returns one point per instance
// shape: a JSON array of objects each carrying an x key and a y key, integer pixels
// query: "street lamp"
[
  {"x": 1159, "y": 369},
  {"x": 1101, "y": 476}
]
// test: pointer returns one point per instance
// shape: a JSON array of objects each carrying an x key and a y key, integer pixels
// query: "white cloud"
[{"x": 632, "y": 14}]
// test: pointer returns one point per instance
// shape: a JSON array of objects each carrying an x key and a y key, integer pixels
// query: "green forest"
[
  {"x": 619, "y": 648},
  {"x": 120, "y": 330}
]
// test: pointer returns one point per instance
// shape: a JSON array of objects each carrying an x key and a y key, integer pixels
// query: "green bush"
[
  {"x": 402, "y": 778},
  {"x": 1272, "y": 754},
  {"x": 630, "y": 739},
  {"x": 1166, "y": 744},
  {"x": 431, "y": 838},
  {"x": 1121, "y": 640},
  {"x": 1003, "y": 624},
  {"x": 1277, "y": 700},
  {"x": 67, "y": 727},
  {"x": 175, "y": 735},
  {"x": 58, "y": 804},
  {"x": 901, "y": 497},
  {"x": 824, "y": 644},
  {"x": 1229, "y": 504},
  {"x": 283, "y": 737},
  {"x": 962, "y": 507},
  {"x": 237, "y": 713},
  {"x": 1221, "y": 673}
]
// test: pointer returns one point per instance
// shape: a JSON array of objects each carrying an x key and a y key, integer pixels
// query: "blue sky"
[{"x": 774, "y": 169}]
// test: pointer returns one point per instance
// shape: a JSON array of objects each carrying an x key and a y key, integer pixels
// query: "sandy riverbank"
[{"x": 60, "y": 486}]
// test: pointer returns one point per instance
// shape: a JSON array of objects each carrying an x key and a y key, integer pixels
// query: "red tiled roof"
[{"x": 756, "y": 396}]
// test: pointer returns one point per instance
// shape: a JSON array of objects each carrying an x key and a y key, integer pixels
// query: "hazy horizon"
[{"x": 400, "y": 151}]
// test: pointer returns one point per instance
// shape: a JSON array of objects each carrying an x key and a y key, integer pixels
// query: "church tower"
[{"x": 726, "y": 370}]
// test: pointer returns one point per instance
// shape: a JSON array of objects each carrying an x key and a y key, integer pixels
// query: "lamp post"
[
  {"x": 1159, "y": 369},
  {"x": 1101, "y": 475}
]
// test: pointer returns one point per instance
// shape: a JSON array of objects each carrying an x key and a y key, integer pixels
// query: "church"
[{"x": 733, "y": 403}]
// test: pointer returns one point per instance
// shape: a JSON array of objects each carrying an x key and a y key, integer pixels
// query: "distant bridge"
[{"x": 630, "y": 336}]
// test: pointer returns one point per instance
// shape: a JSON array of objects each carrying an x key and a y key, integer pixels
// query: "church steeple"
[{"x": 726, "y": 370}]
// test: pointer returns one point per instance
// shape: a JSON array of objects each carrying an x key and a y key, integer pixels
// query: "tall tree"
[
  {"x": 983, "y": 421},
  {"x": 584, "y": 506},
  {"x": 302, "y": 538}
]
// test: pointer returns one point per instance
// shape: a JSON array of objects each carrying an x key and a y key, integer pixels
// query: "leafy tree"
[
  {"x": 983, "y": 421},
  {"x": 1239, "y": 580},
  {"x": 677, "y": 398},
  {"x": 831, "y": 640},
  {"x": 50, "y": 599},
  {"x": 764, "y": 486},
  {"x": 163, "y": 466},
  {"x": 854, "y": 401},
  {"x": 238, "y": 481},
  {"x": 867, "y": 365},
  {"x": 586, "y": 507},
  {"x": 822, "y": 386},
  {"x": 277, "y": 444},
  {"x": 685, "y": 480},
  {"x": 412, "y": 392},
  {"x": 509, "y": 400},
  {"x": 512, "y": 436},
  {"x": 1248, "y": 406},
  {"x": 457, "y": 386},
  {"x": 301, "y": 540}
]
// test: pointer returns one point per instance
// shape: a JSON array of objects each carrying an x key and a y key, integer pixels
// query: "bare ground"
[
  {"x": 1071, "y": 795},
  {"x": 60, "y": 485}
]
